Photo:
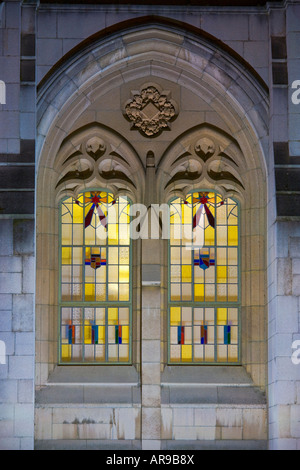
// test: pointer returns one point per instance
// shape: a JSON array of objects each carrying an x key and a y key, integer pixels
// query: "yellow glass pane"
[
  {"x": 113, "y": 274},
  {"x": 77, "y": 234},
  {"x": 175, "y": 292},
  {"x": 123, "y": 353},
  {"x": 66, "y": 351},
  {"x": 66, "y": 234},
  {"x": 124, "y": 217},
  {"x": 125, "y": 334},
  {"x": 175, "y": 273},
  {"x": 124, "y": 292},
  {"x": 100, "y": 353},
  {"x": 175, "y": 255},
  {"x": 101, "y": 334},
  {"x": 89, "y": 235},
  {"x": 101, "y": 274},
  {"x": 113, "y": 234},
  {"x": 101, "y": 292},
  {"x": 175, "y": 214},
  {"x": 77, "y": 214},
  {"x": 232, "y": 353},
  {"x": 113, "y": 353},
  {"x": 199, "y": 292},
  {"x": 222, "y": 215},
  {"x": 186, "y": 352},
  {"x": 232, "y": 256},
  {"x": 186, "y": 214},
  {"x": 77, "y": 256},
  {"x": 198, "y": 353},
  {"x": 210, "y": 275},
  {"x": 209, "y": 352},
  {"x": 66, "y": 255},
  {"x": 233, "y": 293},
  {"x": 175, "y": 316},
  {"x": 209, "y": 235},
  {"x": 66, "y": 274},
  {"x": 233, "y": 315},
  {"x": 222, "y": 235},
  {"x": 233, "y": 274},
  {"x": 221, "y": 316},
  {"x": 232, "y": 214},
  {"x": 186, "y": 256},
  {"x": 112, "y": 316},
  {"x": 222, "y": 274},
  {"x": 186, "y": 274},
  {"x": 89, "y": 291},
  {"x": 124, "y": 234},
  {"x": 221, "y": 256},
  {"x": 222, "y": 292},
  {"x": 113, "y": 255},
  {"x": 198, "y": 275},
  {"x": 124, "y": 255},
  {"x": 175, "y": 234},
  {"x": 124, "y": 274},
  {"x": 123, "y": 316},
  {"x": 186, "y": 291},
  {"x": 87, "y": 333},
  {"x": 222, "y": 353},
  {"x": 233, "y": 235},
  {"x": 209, "y": 292},
  {"x": 175, "y": 353},
  {"x": 113, "y": 290}
]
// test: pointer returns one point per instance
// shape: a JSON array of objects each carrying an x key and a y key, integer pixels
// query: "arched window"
[
  {"x": 204, "y": 298},
  {"x": 95, "y": 279}
]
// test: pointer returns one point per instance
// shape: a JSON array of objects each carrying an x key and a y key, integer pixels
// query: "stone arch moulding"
[
  {"x": 96, "y": 156},
  {"x": 153, "y": 49},
  {"x": 203, "y": 157},
  {"x": 151, "y": 52}
]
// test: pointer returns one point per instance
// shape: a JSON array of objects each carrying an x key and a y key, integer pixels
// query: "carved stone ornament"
[{"x": 150, "y": 111}]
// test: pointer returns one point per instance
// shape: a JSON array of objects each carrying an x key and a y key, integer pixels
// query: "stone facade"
[{"x": 223, "y": 78}]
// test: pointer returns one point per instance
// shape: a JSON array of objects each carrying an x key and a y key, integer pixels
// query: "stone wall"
[
  {"x": 17, "y": 226},
  {"x": 17, "y": 286}
]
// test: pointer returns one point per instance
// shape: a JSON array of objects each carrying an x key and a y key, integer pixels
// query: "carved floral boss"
[{"x": 150, "y": 111}]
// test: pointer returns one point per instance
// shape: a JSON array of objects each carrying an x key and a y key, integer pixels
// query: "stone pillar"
[
  {"x": 284, "y": 240},
  {"x": 151, "y": 326}
]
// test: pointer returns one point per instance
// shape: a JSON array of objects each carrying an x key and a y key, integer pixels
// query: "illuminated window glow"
[
  {"x": 204, "y": 280},
  {"x": 95, "y": 253}
]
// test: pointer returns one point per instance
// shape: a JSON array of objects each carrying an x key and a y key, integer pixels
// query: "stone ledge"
[
  {"x": 122, "y": 394},
  {"x": 215, "y": 445},
  {"x": 225, "y": 395},
  {"x": 94, "y": 374},
  {"x": 205, "y": 375},
  {"x": 64, "y": 444}
]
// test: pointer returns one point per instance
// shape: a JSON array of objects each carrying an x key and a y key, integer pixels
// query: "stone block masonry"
[
  {"x": 17, "y": 332},
  {"x": 17, "y": 227}
]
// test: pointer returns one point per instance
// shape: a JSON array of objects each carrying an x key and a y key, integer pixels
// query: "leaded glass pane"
[
  {"x": 95, "y": 287},
  {"x": 204, "y": 279}
]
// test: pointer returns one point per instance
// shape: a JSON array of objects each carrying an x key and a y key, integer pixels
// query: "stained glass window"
[
  {"x": 95, "y": 287},
  {"x": 204, "y": 279}
]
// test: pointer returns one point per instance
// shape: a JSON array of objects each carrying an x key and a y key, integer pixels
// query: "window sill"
[
  {"x": 210, "y": 385},
  {"x": 89, "y": 385},
  {"x": 205, "y": 374},
  {"x": 100, "y": 375}
]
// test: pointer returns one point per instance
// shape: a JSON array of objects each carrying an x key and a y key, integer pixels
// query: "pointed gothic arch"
[{"x": 229, "y": 154}]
